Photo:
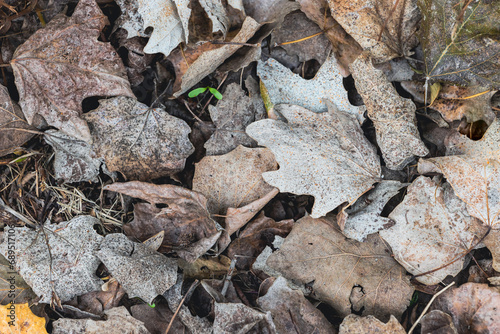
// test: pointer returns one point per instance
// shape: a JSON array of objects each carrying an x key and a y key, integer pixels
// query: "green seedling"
[
  {"x": 198, "y": 91},
  {"x": 152, "y": 305}
]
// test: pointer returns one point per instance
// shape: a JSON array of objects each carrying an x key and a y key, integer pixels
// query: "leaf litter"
[{"x": 195, "y": 260}]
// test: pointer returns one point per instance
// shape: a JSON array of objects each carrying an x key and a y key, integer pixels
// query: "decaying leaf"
[
  {"x": 473, "y": 307},
  {"x": 205, "y": 268},
  {"x": 346, "y": 274},
  {"x": 56, "y": 67},
  {"x": 118, "y": 321},
  {"x": 142, "y": 272},
  {"x": 12, "y": 286},
  {"x": 393, "y": 116},
  {"x": 59, "y": 260},
  {"x": 233, "y": 180},
  {"x": 236, "y": 317},
  {"x": 290, "y": 309},
  {"x": 432, "y": 230},
  {"x": 18, "y": 318},
  {"x": 354, "y": 324},
  {"x": 189, "y": 230},
  {"x": 130, "y": 19},
  {"x": 138, "y": 141},
  {"x": 231, "y": 117},
  {"x": 473, "y": 170},
  {"x": 460, "y": 41},
  {"x": 284, "y": 86},
  {"x": 363, "y": 217},
  {"x": 13, "y": 125},
  {"x": 324, "y": 155},
  {"x": 437, "y": 321},
  {"x": 96, "y": 302},
  {"x": 385, "y": 28},
  {"x": 157, "y": 319}
]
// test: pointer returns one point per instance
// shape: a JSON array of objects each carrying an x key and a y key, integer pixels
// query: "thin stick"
[
  {"x": 195, "y": 284},
  {"x": 429, "y": 305},
  {"x": 300, "y": 40},
  {"x": 257, "y": 45}
]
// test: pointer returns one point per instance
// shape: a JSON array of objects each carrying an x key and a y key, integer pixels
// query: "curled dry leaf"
[
  {"x": 56, "y": 66},
  {"x": 60, "y": 259},
  {"x": 142, "y": 272},
  {"x": 433, "y": 230},
  {"x": 96, "y": 302},
  {"x": 284, "y": 86},
  {"x": 13, "y": 125},
  {"x": 354, "y": 324},
  {"x": 346, "y": 274},
  {"x": 393, "y": 116},
  {"x": 142, "y": 143},
  {"x": 473, "y": 307},
  {"x": 189, "y": 230},
  {"x": 324, "y": 155},
  {"x": 235, "y": 179},
  {"x": 237, "y": 317},
  {"x": 290, "y": 309},
  {"x": 437, "y": 321},
  {"x": 384, "y": 28}
]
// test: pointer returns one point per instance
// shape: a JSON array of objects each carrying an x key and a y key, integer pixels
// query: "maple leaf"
[
  {"x": 62, "y": 64},
  {"x": 460, "y": 41},
  {"x": 324, "y": 155}
]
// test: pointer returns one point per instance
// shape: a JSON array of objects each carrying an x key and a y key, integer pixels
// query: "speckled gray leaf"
[
  {"x": 238, "y": 318},
  {"x": 130, "y": 19},
  {"x": 393, "y": 116},
  {"x": 324, "y": 155},
  {"x": 142, "y": 272},
  {"x": 231, "y": 117},
  {"x": 363, "y": 217},
  {"x": 284, "y": 86},
  {"x": 68, "y": 269},
  {"x": 138, "y": 141},
  {"x": 432, "y": 230}
]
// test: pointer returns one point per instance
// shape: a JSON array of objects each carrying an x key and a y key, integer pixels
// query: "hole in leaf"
[{"x": 475, "y": 130}]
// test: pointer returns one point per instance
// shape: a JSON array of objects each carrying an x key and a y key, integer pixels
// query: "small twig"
[
  {"x": 228, "y": 277},
  {"x": 192, "y": 113},
  {"x": 257, "y": 45},
  {"x": 299, "y": 40},
  {"x": 429, "y": 305},
  {"x": 195, "y": 284}
]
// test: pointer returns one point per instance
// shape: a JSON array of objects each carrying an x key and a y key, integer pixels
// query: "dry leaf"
[
  {"x": 432, "y": 230},
  {"x": 393, "y": 116},
  {"x": 140, "y": 142},
  {"x": 231, "y": 117},
  {"x": 492, "y": 241},
  {"x": 438, "y": 322},
  {"x": 130, "y": 19},
  {"x": 354, "y": 324},
  {"x": 62, "y": 64},
  {"x": 473, "y": 307},
  {"x": 157, "y": 319},
  {"x": 233, "y": 180},
  {"x": 383, "y": 29},
  {"x": 290, "y": 309},
  {"x": 118, "y": 321},
  {"x": 324, "y": 155},
  {"x": 189, "y": 230},
  {"x": 346, "y": 274},
  {"x": 13, "y": 125},
  {"x": 18, "y": 318},
  {"x": 96, "y": 302},
  {"x": 12, "y": 286},
  {"x": 363, "y": 217},
  {"x": 238, "y": 318},
  {"x": 68, "y": 268},
  {"x": 205, "y": 268},
  {"x": 284, "y": 86}
]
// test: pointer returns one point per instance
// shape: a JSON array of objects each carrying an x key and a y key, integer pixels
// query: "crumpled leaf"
[
  {"x": 68, "y": 270},
  {"x": 205, "y": 268},
  {"x": 324, "y": 155},
  {"x": 189, "y": 230},
  {"x": 157, "y": 319},
  {"x": 62, "y": 64},
  {"x": 13, "y": 125},
  {"x": 473, "y": 170},
  {"x": 393, "y": 116},
  {"x": 130, "y": 19},
  {"x": 296, "y": 26},
  {"x": 231, "y": 117},
  {"x": 74, "y": 159},
  {"x": 96, "y": 302},
  {"x": 12, "y": 286},
  {"x": 238, "y": 318},
  {"x": 344, "y": 273},
  {"x": 381, "y": 28},
  {"x": 217, "y": 14},
  {"x": 140, "y": 142},
  {"x": 233, "y": 180},
  {"x": 460, "y": 41},
  {"x": 354, "y": 324},
  {"x": 473, "y": 307},
  {"x": 142, "y": 272},
  {"x": 363, "y": 217},
  {"x": 284, "y": 86},
  {"x": 432, "y": 230},
  {"x": 118, "y": 321},
  {"x": 437, "y": 321},
  {"x": 290, "y": 309},
  {"x": 22, "y": 321}
]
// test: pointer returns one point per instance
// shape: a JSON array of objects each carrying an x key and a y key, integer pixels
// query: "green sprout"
[
  {"x": 152, "y": 305},
  {"x": 198, "y": 91}
]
